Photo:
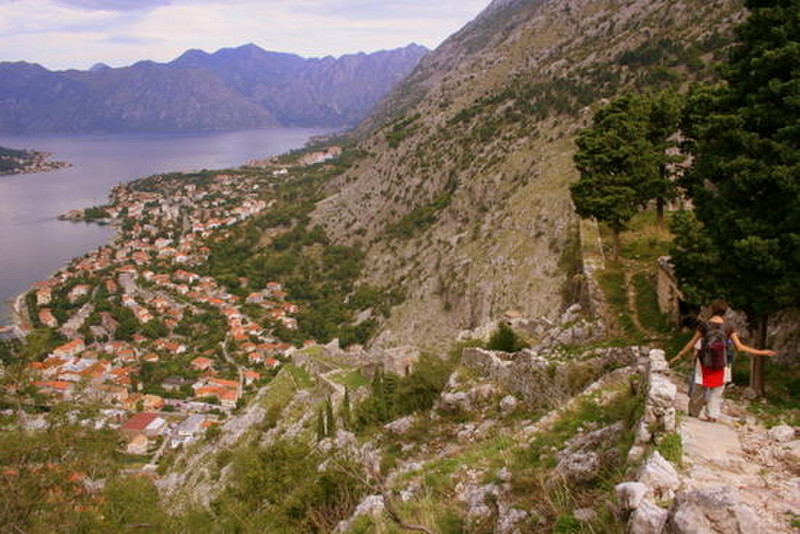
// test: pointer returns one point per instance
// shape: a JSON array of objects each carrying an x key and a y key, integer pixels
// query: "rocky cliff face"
[
  {"x": 244, "y": 87},
  {"x": 463, "y": 196}
]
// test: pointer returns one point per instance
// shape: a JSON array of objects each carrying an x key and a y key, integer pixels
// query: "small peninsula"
[{"x": 13, "y": 161}]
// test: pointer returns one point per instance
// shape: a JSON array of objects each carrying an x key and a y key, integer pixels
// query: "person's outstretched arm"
[
  {"x": 689, "y": 345},
  {"x": 741, "y": 347}
]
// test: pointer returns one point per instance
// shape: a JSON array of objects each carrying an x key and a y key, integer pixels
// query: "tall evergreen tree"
[
  {"x": 346, "y": 413},
  {"x": 320, "y": 425},
  {"x": 663, "y": 120},
  {"x": 745, "y": 181},
  {"x": 623, "y": 159},
  {"x": 379, "y": 397}
]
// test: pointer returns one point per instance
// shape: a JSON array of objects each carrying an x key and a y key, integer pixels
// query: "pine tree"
[{"x": 745, "y": 138}]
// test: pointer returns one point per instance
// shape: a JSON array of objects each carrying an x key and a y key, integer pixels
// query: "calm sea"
[{"x": 34, "y": 244}]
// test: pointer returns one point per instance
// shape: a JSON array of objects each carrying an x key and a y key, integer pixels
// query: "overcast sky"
[{"x": 62, "y": 34}]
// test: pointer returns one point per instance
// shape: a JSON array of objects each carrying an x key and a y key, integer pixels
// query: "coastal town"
[{"x": 136, "y": 328}]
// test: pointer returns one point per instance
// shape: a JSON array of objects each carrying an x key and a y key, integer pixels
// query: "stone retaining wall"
[{"x": 544, "y": 382}]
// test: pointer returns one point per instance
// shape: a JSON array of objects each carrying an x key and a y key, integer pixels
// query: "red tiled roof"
[{"x": 139, "y": 421}]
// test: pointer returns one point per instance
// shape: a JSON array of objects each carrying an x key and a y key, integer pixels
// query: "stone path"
[{"x": 737, "y": 458}]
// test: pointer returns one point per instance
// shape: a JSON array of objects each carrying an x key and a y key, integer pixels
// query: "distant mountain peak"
[
  {"x": 250, "y": 47},
  {"x": 98, "y": 67}
]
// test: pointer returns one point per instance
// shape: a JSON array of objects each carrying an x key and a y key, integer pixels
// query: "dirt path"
[
  {"x": 630, "y": 292},
  {"x": 737, "y": 453}
]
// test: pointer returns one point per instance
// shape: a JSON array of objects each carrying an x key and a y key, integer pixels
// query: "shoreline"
[{"x": 39, "y": 162}]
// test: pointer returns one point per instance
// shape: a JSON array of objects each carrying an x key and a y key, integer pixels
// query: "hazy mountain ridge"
[
  {"x": 308, "y": 91},
  {"x": 243, "y": 87},
  {"x": 472, "y": 154}
]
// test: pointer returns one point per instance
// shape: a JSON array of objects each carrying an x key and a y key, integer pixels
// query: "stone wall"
[
  {"x": 669, "y": 296},
  {"x": 657, "y": 480},
  {"x": 541, "y": 380},
  {"x": 593, "y": 259}
]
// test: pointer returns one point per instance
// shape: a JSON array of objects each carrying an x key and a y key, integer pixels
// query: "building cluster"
[{"x": 129, "y": 305}]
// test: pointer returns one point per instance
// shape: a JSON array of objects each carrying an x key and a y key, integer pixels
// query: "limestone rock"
[
  {"x": 630, "y": 494},
  {"x": 662, "y": 391},
  {"x": 504, "y": 474},
  {"x": 714, "y": 510},
  {"x": 583, "y": 456},
  {"x": 451, "y": 402},
  {"x": 660, "y": 476},
  {"x": 400, "y": 426},
  {"x": 648, "y": 519},
  {"x": 371, "y": 505},
  {"x": 509, "y": 519},
  {"x": 579, "y": 466},
  {"x": 508, "y": 404},
  {"x": 476, "y": 499},
  {"x": 790, "y": 454},
  {"x": 584, "y": 515},
  {"x": 781, "y": 434}
]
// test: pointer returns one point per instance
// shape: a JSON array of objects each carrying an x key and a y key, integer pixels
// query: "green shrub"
[{"x": 506, "y": 340}]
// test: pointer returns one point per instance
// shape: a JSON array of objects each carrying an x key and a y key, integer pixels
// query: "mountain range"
[{"x": 244, "y": 87}]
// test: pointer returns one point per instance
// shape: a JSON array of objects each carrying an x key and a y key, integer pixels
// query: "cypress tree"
[
  {"x": 623, "y": 160},
  {"x": 346, "y": 412},
  {"x": 330, "y": 419},
  {"x": 320, "y": 425}
]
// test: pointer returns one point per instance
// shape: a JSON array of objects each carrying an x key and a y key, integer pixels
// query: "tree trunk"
[
  {"x": 660, "y": 203},
  {"x": 616, "y": 245},
  {"x": 757, "y": 362}
]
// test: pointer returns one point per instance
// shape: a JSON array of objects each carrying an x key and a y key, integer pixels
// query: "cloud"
[{"x": 114, "y": 5}]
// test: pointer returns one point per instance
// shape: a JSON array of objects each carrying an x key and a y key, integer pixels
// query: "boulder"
[
  {"x": 582, "y": 457},
  {"x": 630, "y": 494},
  {"x": 580, "y": 466},
  {"x": 648, "y": 519},
  {"x": 453, "y": 402},
  {"x": 400, "y": 426},
  {"x": 714, "y": 510},
  {"x": 660, "y": 475},
  {"x": 781, "y": 434}
]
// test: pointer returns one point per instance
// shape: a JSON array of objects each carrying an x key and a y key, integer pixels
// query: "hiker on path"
[{"x": 713, "y": 357}]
